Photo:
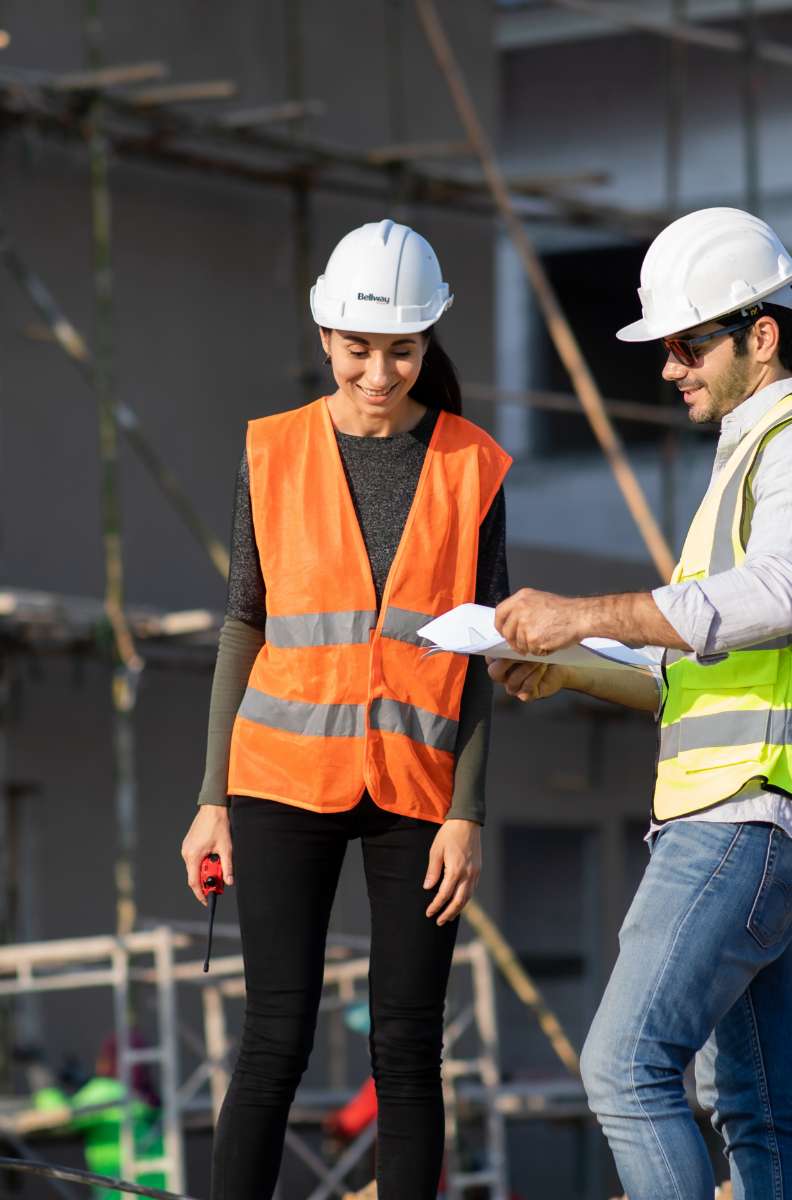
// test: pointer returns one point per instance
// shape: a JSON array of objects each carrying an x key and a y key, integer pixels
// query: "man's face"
[{"x": 719, "y": 381}]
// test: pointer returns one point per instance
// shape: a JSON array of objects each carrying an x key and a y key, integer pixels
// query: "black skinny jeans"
[{"x": 286, "y": 864}]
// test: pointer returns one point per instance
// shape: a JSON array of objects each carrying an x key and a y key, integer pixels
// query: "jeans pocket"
[{"x": 771, "y": 915}]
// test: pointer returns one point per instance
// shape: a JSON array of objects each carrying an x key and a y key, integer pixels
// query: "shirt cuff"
[{"x": 689, "y": 610}]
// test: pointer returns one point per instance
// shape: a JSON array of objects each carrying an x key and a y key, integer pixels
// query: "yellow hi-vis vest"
[{"x": 727, "y": 720}]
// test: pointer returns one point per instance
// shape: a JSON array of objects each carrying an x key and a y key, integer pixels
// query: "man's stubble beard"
[{"x": 730, "y": 388}]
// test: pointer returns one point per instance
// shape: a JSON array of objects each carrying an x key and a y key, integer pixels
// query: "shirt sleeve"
[
  {"x": 751, "y": 603},
  {"x": 236, "y": 653},
  {"x": 241, "y": 638},
  {"x": 468, "y": 802},
  {"x": 247, "y": 594},
  {"x": 492, "y": 573}
]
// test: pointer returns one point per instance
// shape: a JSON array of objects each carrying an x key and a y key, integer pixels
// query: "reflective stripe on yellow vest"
[
  {"x": 728, "y": 720},
  {"x": 342, "y": 697}
]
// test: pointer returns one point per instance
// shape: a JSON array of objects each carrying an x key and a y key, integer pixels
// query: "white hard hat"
[
  {"x": 704, "y": 265},
  {"x": 381, "y": 278}
]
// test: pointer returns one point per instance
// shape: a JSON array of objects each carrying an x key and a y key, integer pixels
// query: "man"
[{"x": 705, "y": 963}]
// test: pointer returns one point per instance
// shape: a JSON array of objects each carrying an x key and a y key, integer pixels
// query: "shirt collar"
[{"x": 737, "y": 423}]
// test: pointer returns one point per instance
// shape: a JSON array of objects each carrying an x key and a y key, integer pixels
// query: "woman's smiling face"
[{"x": 374, "y": 371}]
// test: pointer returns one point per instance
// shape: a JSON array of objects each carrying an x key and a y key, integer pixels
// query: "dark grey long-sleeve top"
[{"x": 382, "y": 473}]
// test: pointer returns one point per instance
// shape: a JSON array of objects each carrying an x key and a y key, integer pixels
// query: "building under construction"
[{"x": 174, "y": 177}]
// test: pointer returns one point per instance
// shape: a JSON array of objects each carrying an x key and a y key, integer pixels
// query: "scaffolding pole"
[
  {"x": 558, "y": 326},
  {"x": 204, "y": 145},
  {"x": 128, "y": 664}
]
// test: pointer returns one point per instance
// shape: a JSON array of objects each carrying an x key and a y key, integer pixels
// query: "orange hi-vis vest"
[{"x": 343, "y": 698}]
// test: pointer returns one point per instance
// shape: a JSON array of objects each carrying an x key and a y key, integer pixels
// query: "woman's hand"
[
  {"x": 209, "y": 833},
  {"x": 455, "y": 857},
  {"x": 527, "y": 680}
]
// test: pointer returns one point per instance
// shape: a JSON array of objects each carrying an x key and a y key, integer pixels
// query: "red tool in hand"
[{"x": 212, "y": 885}]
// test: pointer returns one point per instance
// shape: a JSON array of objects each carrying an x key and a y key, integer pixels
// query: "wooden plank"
[
  {"x": 107, "y": 77},
  {"x": 80, "y": 950},
  {"x": 539, "y": 184},
  {"x": 183, "y": 93},
  {"x": 58, "y": 615},
  {"x": 270, "y": 114},
  {"x": 412, "y": 151}
]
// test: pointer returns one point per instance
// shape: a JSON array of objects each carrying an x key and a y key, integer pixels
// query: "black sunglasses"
[{"x": 683, "y": 350}]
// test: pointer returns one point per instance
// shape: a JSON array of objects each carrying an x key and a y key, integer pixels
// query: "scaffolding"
[{"x": 162, "y": 962}]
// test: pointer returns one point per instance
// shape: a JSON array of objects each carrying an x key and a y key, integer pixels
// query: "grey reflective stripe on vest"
[
  {"x": 343, "y": 628},
  {"x": 771, "y": 727},
  {"x": 401, "y": 624},
  {"x": 320, "y": 629},
  {"x": 722, "y": 557},
  {"x": 348, "y": 720},
  {"x": 418, "y": 724},
  {"x": 299, "y": 716}
]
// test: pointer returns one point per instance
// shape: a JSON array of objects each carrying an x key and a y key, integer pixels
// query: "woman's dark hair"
[
  {"x": 783, "y": 319},
  {"x": 438, "y": 384}
]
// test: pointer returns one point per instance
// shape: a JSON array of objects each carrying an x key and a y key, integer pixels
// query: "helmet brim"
[
  {"x": 334, "y": 316},
  {"x": 370, "y": 326},
  {"x": 638, "y": 331},
  {"x": 642, "y": 331}
]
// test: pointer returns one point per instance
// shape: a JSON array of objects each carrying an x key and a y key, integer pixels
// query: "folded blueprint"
[{"x": 470, "y": 629}]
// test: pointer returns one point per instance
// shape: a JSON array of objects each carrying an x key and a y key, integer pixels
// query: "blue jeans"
[{"x": 705, "y": 970}]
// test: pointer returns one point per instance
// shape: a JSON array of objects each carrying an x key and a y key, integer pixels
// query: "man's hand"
[
  {"x": 455, "y": 857},
  {"x": 527, "y": 681},
  {"x": 538, "y": 622}
]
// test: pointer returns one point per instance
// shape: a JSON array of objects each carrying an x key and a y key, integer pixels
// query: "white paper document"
[{"x": 470, "y": 629}]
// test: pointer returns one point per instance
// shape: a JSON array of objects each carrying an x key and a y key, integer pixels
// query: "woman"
[{"x": 358, "y": 518}]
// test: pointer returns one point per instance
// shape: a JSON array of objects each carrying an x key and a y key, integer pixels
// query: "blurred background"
[{"x": 174, "y": 176}]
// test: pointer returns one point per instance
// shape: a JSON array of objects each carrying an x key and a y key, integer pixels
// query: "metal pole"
[
  {"x": 128, "y": 665},
  {"x": 121, "y": 1013},
  {"x": 486, "y": 1021},
  {"x": 558, "y": 326},
  {"x": 169, "y": 1047}
]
